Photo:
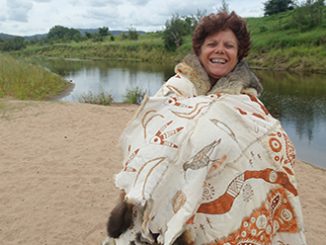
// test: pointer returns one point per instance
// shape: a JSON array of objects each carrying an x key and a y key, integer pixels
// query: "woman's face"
[{"x": 219, "y": 53}]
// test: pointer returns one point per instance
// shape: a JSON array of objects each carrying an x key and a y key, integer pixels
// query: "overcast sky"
[{"x": 28, "y": 17}]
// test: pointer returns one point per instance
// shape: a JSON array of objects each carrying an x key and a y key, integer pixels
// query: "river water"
[{"x": 297, "y": 100}]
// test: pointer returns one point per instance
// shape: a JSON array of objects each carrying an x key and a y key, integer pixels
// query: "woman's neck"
[{"x": 213, "y": 81}]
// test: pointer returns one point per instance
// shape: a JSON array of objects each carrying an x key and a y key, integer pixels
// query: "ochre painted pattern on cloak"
[
  {"x": 254, "y": 99},
  {"x": 224, "y": 203},
  {"x": 263, "y": 223}
]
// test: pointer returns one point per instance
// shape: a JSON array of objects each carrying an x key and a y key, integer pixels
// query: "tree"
[
  {"x": 277, "y": 6},
  {"x": 175, "y": 29},
  {"x": 132, "y": 34},
  {"x": 224, "y": 7},
  {"x": 58, "y": 33},
  {"x": 103, "y": 31},
  {"x": 88, "y": 35}
]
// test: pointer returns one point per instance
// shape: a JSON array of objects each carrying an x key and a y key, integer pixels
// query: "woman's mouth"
[{"x": 218, "y": 61}]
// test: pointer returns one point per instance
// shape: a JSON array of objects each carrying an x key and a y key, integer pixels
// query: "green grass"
[
  {"x": 298, "y": 58},
  {"x": 22, "y": 80},
  {"x": 279, "y": 42}
]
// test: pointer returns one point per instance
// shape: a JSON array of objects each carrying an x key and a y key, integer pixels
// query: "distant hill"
[{"x": 5, "y": 36}]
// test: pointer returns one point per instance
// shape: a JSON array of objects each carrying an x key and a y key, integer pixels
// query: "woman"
[{"x": 205, "y": 162}]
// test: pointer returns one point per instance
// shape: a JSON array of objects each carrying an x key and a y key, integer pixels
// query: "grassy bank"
[{"x": 21, "y": 80}]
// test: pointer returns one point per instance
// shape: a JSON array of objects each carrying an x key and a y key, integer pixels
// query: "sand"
[{"x": 57, "y": 165}]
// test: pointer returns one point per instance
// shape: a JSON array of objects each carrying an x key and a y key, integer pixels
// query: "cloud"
[
  {"x": 138, "y": 2},
  {"x": 42, "y": 1},
  {"x": 18, "y": 10},
  {"x": 151, "y": 15},
  {"x": 2, "y": 18},
  {"x": 186, "y": 8},
  {"x": 103, "y": 3},
  {"x": 27, "y": 17},
  {"x": 249, "y": 9},
  {"x": 102, "y": 15}
]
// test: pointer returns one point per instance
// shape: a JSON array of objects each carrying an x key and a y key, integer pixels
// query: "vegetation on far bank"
[{"x": 148, "y": 47}]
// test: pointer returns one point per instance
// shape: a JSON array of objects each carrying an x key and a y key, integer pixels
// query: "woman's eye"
[
  {"x": 229, "y": 45},
  {"x": 211, "y": 44}
]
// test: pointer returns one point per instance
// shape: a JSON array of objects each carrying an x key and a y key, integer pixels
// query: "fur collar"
[{"x": 240, "y": 80}]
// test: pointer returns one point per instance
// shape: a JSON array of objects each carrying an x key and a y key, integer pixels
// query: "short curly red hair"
[{"x": 221, "y": 21}]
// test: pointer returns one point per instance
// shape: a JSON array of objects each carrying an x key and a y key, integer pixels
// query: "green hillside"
[
  {"x": 287, "y": 41},
  {"x": 283, "y": 41}
]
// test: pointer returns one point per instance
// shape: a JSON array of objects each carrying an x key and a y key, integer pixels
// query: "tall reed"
[{"x": 21, "y": 80}]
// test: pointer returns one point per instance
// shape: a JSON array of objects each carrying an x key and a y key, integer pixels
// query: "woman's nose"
[{"x": 219, "y": 49}]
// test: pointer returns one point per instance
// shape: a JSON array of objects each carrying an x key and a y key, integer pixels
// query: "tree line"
[{"x": 61, "y": 34}]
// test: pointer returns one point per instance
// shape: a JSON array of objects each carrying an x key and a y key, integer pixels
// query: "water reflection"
[
  {"x": 116, "y": 81},
  {"x": 113, "y": 77},
  {"x": 297, "y": 100}
]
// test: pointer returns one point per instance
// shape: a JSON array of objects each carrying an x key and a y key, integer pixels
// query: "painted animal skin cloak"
[{"x": 211, "y": 162}]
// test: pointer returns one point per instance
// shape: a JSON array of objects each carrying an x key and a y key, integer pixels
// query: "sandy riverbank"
[{"x": 57, "y": 162}]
